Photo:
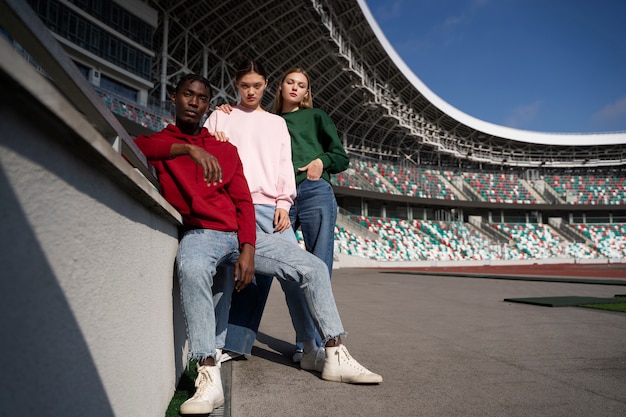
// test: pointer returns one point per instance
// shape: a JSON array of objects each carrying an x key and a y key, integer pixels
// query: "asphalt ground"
[{"x": 446, "y": 345}]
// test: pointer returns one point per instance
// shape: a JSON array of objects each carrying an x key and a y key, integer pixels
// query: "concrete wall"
[{"x": 89, "y": 312}]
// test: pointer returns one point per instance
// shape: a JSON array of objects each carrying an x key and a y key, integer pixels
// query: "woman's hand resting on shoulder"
[{"x": 221, "y": 136}]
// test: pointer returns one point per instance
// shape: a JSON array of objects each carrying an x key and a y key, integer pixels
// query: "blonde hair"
[{"x": 307, "y": 101}]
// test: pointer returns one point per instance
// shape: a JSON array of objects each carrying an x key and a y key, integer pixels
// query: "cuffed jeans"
[
  {"x": 315, "y": 212},
  {"x": 247, "y": 306},
  {"x": 202, "y": 250}
]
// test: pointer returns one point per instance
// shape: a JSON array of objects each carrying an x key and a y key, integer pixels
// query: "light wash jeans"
[
  {"x": 202, "y": 250},
  {"x": 315, "y": 212},
  {"x": 247, "y": 306}
]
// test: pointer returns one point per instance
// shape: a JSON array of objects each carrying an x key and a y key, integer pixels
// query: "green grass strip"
[
  {"x": 608, "y": 307},
  {"x": 184, "y": 390},
  {"x": 621, "y": 307}
]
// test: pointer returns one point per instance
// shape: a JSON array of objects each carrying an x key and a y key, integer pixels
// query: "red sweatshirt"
[{"x": 226, "y": 207}]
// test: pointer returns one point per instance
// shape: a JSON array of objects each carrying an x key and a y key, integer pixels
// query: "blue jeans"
[
  {"x": 202, "y": 250},
  {"x": 315, "y": 212},
  {"x": 247, "y": 306}
]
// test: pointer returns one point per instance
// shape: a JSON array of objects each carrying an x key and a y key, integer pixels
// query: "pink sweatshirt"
[{"x": 264, "y": 146}]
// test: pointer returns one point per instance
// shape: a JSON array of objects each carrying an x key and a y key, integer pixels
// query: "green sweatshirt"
[{"x": 314, "y": 135}]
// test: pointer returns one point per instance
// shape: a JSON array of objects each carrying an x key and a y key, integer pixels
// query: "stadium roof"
[{"x": 380, "y": 107}]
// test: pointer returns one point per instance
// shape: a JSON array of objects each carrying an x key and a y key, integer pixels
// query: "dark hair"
[
  {"x": 247, "y": 66},
  {"x": 192, "y": 78}
]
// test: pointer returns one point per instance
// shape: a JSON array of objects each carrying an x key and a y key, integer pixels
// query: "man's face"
[{"x": 192, "y": 102}]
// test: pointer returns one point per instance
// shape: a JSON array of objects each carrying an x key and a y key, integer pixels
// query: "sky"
[{"x": 541, "y": 65}]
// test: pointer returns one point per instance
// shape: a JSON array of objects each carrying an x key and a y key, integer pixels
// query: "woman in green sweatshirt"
[{"x": 317, "y": 153}]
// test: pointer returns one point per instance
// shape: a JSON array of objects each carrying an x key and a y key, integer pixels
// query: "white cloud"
[
  {"x": 452, "y": 27},
  {"x": 452, "y": 21},
  {"x": 611, "y": 113},
  {"x": 386, "y": 12},
  {"x": 523, "y": 115},
  {"x": 476, "y": 4}
]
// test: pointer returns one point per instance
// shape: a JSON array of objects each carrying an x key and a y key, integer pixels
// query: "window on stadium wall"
[
  {"x": 72, "y": 26},
  {"x": 420, "y": 213},
  {"x": 597, "y": 219},
  {"x": 397, "y": 212},
  {"x": 83, "y": 69},
  {"x": 609, "y": 218},
  {"x": 111, "y": 85},
  {"x": 518, "y": 218},
  {"x": 118, "y": 88}
]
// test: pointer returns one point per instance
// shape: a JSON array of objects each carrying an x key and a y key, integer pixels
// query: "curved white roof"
[
  {"x": 380, "y": 106},
  {"x": 570, "y": 139}
]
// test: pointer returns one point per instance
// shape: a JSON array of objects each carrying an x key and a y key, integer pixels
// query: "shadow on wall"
[
  {"x": 47, "y": 368},
  {"x": 180, "y": 334},
  {"x": 85, "y": 292}
]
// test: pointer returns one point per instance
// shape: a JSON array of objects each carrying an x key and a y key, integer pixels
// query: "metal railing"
[{"x": 24, "y": 26}]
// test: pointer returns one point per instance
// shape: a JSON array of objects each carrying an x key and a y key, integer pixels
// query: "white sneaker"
[
  {"x": 339, "y": 366},
  {"x": 209, "y": 392},
  {"x": 297, "y": 356},
  {"x": 227, "y": 355},
  {"x": 314, "y": 360}
]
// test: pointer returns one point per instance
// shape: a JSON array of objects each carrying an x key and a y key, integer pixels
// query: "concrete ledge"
[{"x": 28, "y": 86}]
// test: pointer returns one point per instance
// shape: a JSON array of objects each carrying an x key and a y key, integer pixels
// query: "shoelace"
[
  {"x": 203, "y": 379},
  {"x": 349, "y": 360}
]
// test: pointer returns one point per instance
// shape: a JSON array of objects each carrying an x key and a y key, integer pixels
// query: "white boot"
[
  {"x": 339, "y": 366},
  {"x": 209, "y": 392}
]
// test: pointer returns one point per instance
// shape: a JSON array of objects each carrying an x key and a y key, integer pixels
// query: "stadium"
[
  {"x": 427, "y": 182},
  {"x": 428, "y": 185}
]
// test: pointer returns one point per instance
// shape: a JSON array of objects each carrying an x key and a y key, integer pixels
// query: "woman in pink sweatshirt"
[{"x": 264, "y": 146}]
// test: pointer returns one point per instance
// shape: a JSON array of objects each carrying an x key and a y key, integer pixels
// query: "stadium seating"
[
  {"x": 607, "y": 239},
  {"x": 461, "y": 238},
  {"x": 390, "y": 178},
  {"x": 344, "y": 180},
  {"x": 589, "y": 189},
  {"x": 499, "y": 188},
  {"x": 419, "y": 240},
  {"x": 131, "y": 112},
  {"x": 540, "y": 241}
]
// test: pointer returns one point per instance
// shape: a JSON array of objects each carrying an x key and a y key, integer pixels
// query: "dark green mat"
[
  {"x": 452, "y": 274},
  {"x": 567, "y": 301}
]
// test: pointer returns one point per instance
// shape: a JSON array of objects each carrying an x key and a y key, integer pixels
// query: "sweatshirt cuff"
[
  {"x": 249, "y": 241},
  {"x": 285, "y": 205},
  {"x": 325, "y": 161}
]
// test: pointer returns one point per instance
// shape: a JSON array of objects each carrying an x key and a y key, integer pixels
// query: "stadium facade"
[
  {"x": 414, "y": 157},
  {"x": 139, "y": 49}
]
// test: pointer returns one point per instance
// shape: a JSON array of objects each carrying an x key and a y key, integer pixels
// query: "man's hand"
[
  {"x": 281, "y": 220},
  {"x": 313, "y": 169},
  {"x": 244, "y": 267},
  {"x": 210, "y": 166}
]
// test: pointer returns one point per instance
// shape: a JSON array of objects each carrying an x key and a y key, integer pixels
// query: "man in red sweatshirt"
[{"x": 203, "y": 179}]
